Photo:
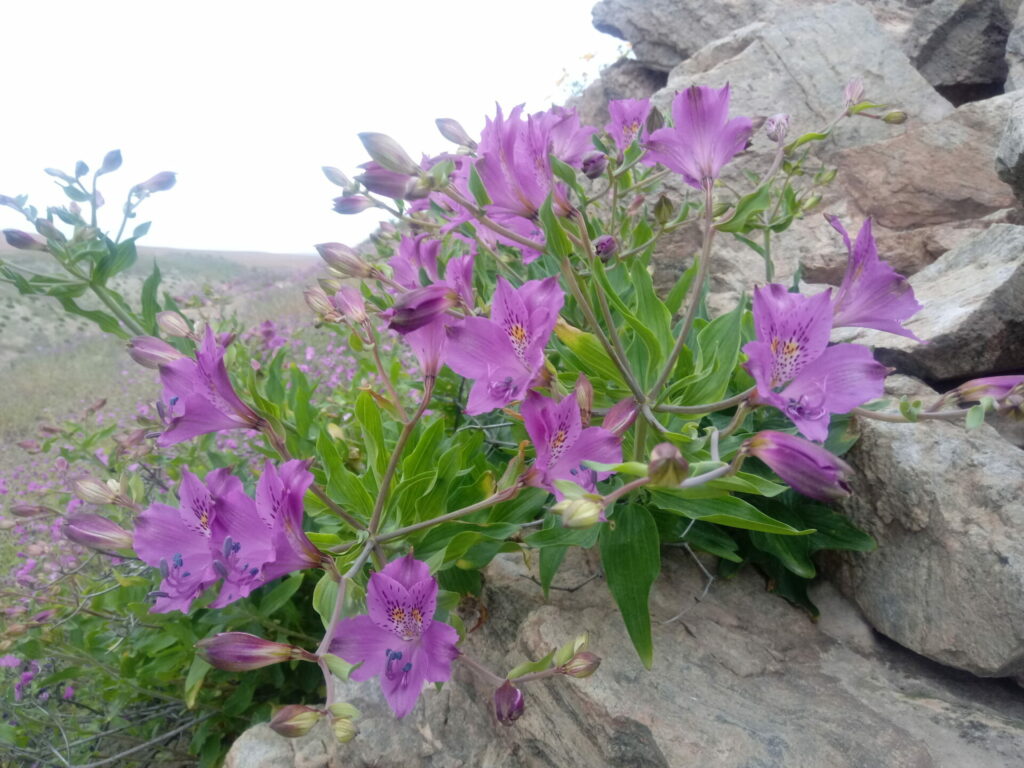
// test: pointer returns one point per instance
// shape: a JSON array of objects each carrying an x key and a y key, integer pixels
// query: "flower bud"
[
  {"x": 111, "y": 162},
  {"x": 173, "y": 324},
  {"x": 776, "y": 127},
  {"x": 349, "y": 302},
  {"x": 29, "y": 446},
  {"x": 318, "y": 301},
  {"x": 667, "y": 467},
  {"x": 663, "y": 210},
  {"x": 159, "y": 183},
  {"x": 421, "y": 306},
  {"x": 895, "y": 117},
  {"x": 655, "y": 120},
  {"x": 344, "y": 729},
  {"x": 344, "y": 260},
  {"x": 811, "y": 202},
  {"x": 570, "y": 649},
  {"x": 585, "y": 397},
  {"x": 336, "y": 177},
  {"x": 294, "y": 720},
  {"x": 383, "y": 182},
  {"x": 96, "y": 532},
  {"x": 46, "y": 228},
  {"x": 151, "y": 352},
  {"x": 594, "y": 165},
  {"x": 509, "y": 703},
  {"x": 31, "y": 510},
  {"x": 352, "y": 204},
  {"x": 241, "y": 652},
  {"x": 605, "y": 247},
  {"x": 388, "y": 153},
  {"x": 579, "y": 513},
  {"x": 344, "y": 709},
  {"x": 454, "y": 132},
  {"x": 330, "y": 285},
  {"x": 583, "y": 664},
  {"x": 6, "y": 525},
  {"x": 93, "y": 491},
  {"x": 620, "y": 417},
  {"x": 24, "y": 241},
  {"x": 807, "y": 467}
]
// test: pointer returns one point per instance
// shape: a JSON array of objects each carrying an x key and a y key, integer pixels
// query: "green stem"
[
  {"x": 490, "y": 501},
  {"x": 694, "y": 410}
]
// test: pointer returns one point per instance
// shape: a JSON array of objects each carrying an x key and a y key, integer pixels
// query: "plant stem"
[
  {"x": 899, "y": 418},
  {"x": 490, "y": 223},
  {"x": 618, "y": 493},
  {"x": 721, "y": 405},
  {"x": 490, "y": 501}
]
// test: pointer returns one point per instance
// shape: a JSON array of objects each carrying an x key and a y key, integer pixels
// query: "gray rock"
[
  {"x": 971, "y": 320},
  {"x": 946, "y": 506},
  {"x": 1015, "y": 53},
  {"x": 1010, "y": 154},
  {"x": 625, "y": 79},
  {"x": 801, "y": 62},
  {"x": 741, "y": 679}
]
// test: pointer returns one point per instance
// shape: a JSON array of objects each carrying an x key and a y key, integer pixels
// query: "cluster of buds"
[
  {"x": 295, "y": 720},
  {"x": 574, "y": 660}
]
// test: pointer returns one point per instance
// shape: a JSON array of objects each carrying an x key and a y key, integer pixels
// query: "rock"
[
  {"x": 1010, "y": 155},
  {"x": 625, "y": 79},
  {"x": 1015, "y": 53},
  {"x": 972, "y": 318},
  {"x": 900, "y": 183},
  {"x": 946, "y": 506},
  {"x": 801, "y": 62},
  {"x": 741, "y": 679}
]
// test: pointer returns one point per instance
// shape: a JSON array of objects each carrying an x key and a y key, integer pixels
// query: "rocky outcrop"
[
  {"x": 1010, "y": 155},
  {"x": 739, "y": 680}
]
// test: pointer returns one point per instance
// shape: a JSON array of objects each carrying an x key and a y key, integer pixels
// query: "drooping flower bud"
[
  {"x": 579, "y": 513},
  {"x": 620, "y": 417},
  {"x": 336, "y": 177},
  {"x": 31, "y": 510},
  {"x": 594, "y": 165},
  {"x": 776, "y": 127},
  {"x": 663, "y": 210},
  {"x": 388, "y": 153},
  {"x": 111, "y": 162},
  {"x": 159, "y": 183},
  {"x": 606, "y": 246},
  {"x": 331, "y": 285},
  {"x": 667, "y": 467},
  {"x": 24, "y": 241},
  {"x": 93, "y": 491},
  {"x": 344, "y": 729},
  {"x": 509, "y": 703},
  {"x": 349, "y": 302},
  {"x": 382, "y": 181},
  {"x": 895, "y": 117},
  {"x": 344, "y": 260},
  {"x": 454, "y": 132},
  {"x": 585, "y": 397},
  {"x": 241, "y": 652},
  {"x": 151, "y": 352},
  {"x": 583, "y": 664},
  {"x": 173, "y": 324},
  {"x": 807, "y": 467},
  {"x": 96, "y": 532},
  {"x": 294, "y": 720},
  {"x": 352, "y": 204},
  {"x": 420, "y": 306}
]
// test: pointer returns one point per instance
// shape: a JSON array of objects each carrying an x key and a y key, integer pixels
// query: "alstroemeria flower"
[
  {"x": 628, "y": 121},
  {"x": 703, "y": 138},
  {"x": 872, "y": 294},
  {"x": 398, "y": 640},
  {"x": 794, "y": 368},
  {"x": 200, "y": 397},
  {"x": 279, "y": 504},
  {"x": 806, "y": 467},
  {"x": 562, "y": 444},
  {"x": 504, "y": 353}
]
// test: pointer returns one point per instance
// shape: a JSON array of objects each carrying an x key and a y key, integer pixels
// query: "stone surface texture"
[
  {"x": 1010, "y": 153},
  {"x": 741, "y": 679}
]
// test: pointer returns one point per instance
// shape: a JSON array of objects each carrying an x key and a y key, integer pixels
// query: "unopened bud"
[
  {"x": 331, "y": 285},
  {"x": 811, "y": 202},
  {"x": 6, "y": 524},
  {"x": 336, "y": 177},
  {"x": 344, "y": 709},
  {"x": 159, "y": 183},
  {"x": 605, "y": 247},
  {"x": 14, "y": 630},
  {"x": 667, "y": 467},
  {"x": 594, "y": 165},
  {"x": 663, "y": 210},
  {"x": 344, "y": 729},
  {"x": 583, "y": 664},
  {"x": 24, "y": 241},
  {"x": 241, "y": 652},
  {"x": 96, "y": 532},
  {"x": 318, "y": 301},
  {"x": 636, "y": 205},
  {"x": 509, "y": 703},
  {"x": 620, "y": 417},
  {"x": 294, "y": 720},
  {"x": 776, "y": 127},
  {"x": 585, "y": 397},
  {"x": 826, "y": 176},
  {"x": 151, "y": 352},
  {"x": 570, "y": 649},
  {"x": 111, "y": 162},
  {"x": 388, "y": 153},
  {"x": 31, "y": 510},
  {"x": 382, "y": 181},
  {"x": 93, "y": 491},
  {"x": 344, "y": 260},
  {"x": 579, "y": 513},
  {"x": 46, "y": 228},
  {"x": 352, "y": 204},
  {"x": 349, "y": 302},
  {"x": 454, "y": 132},
  {"x": 421, "y": 306},
  {"x": 173, "y": 324},
  {"x": 895, "y": 117},
  {"x": 29, "y": 446},
  {"x": 655, "y": 120},
  {"x": 720, "y": 209}
]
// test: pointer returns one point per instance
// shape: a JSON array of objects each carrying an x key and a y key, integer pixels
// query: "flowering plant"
[{"x": 520, "y": 386}]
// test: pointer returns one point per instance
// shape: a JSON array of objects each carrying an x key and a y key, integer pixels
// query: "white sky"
[{"x": 246, "y": 100}]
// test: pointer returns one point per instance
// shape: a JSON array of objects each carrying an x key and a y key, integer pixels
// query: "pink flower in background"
[
  {"x": 398, "y": 640},
  {"x": 628, "y": 121}
]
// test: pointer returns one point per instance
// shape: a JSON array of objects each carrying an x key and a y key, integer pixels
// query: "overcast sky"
[{"x": 247, "y": 100}]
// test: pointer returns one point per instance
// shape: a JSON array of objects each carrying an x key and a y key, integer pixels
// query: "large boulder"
[
  {"x": 973, "y": 315},
  {"x": 946, "y": 506},
  {"x": 1010, "y": 153},
  {"x": 741, "y": 679}
]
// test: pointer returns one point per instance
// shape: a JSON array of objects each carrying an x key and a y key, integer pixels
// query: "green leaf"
[
  {"x": 560, "y": 536},
  {"x": 150, "y": 305},
  {"x": 338, "y": 666},
  {"x": 557, "y": 241},
  {"x": 476, "y": 186},
  {"x": 807, "y": 137},
  {"x": 674, "y": 300},
  {"x": 632, "y": 560},
  {"x": 975, "y": 416},
  {"x": 194, "y": 680},
  {"x": 727, "y": 510},
  {"x": 324, "y": 595},
  {"x": 368, "y": 416},
  {"x": 589, "y": 353},
  {"x": 747, "y": 207},
  {"x": 794, "y": 552},
  {"x": 281, "y": 593},
  {"x": 531, "y": 666}
]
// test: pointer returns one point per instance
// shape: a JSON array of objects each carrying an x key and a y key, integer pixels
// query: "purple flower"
[
  {"x": 279, "y": 504},
  {"x": 398, "y": 640},
  {"x": 872, "y": 294},
  {"x": 628, "y": 120},
  {"x": 703, "y": 138},
  {"x": 200, "y": 396},
  {"x": 503, "y": 353},
  {"x": 10, "y": 661},
  {"x": 808, "y": 468},
  {"x": 562, "y": 444},
  {"x": 509, "y": 703},
  {"x": 243, "y": 652},
  {"x": 794, "y": 368},
  {"x": 996, "y": 387}
]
